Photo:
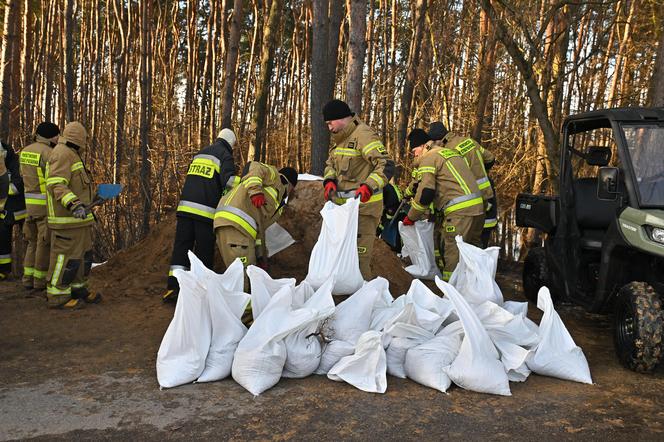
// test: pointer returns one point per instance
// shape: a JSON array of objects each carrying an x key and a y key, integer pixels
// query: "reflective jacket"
[
  {"x": 67, "y": 182},
  {"x": 236, "y": 209},
  {"x": 447, "y": 182},
  {"x": 34, "y": 158},
  {"x": 476, "y": 157},
  {"x": 357, "y": 157},
  {"x": 15, "y": 206},
  {"x": 210, "y": 173},
  {"x": 4, "y": 179}
]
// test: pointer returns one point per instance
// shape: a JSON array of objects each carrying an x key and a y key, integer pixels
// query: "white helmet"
[{"x": 228, "y": 136}]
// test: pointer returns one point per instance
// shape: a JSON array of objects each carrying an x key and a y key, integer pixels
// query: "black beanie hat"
[
  {"x": 47, "y": 130},
  {"x": 290, "y": 174},
  {"x": 417, "y": 137},
  {"x": 336, "y": 110},
  {"x": 437, "y": 131}
]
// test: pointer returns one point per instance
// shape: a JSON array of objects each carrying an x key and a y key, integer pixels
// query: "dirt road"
[{"x": 90, "y": 374}]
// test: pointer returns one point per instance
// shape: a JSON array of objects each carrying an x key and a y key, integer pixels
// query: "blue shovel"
[{"x": 105, "y": 192}]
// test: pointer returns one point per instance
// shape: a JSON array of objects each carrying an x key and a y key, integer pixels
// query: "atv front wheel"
[
  {"x": 638, "y": 326},
  {"x": 535, "y": 273}
]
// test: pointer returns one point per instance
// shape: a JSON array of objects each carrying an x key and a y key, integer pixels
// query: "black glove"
[{"x": 79, "y": 212}]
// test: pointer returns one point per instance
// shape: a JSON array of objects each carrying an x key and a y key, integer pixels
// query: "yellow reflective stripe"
[
  {"x": 343, "y": 151},
  {"x": 329, "y": 174},
  {"x": 484, "y": 185},
  {"x": 21, "y": 214},
  {"x": 273, "y": 193},
  {"x": 371, "y": 146},
  {"x": 68, "y": 198},
  {"x": 463, "y": 205},
  {"x": 254, "y": 180},
  {"x": 54, "y": 291},
  {"x": 460, "y": 180},
  {"x": 377, "y": 179},
  {"x": 69, "y": 219},
  {"x": 195, "y": 211},
  {"x": 30, "y": 158},
  {"x": 398, "y": 192},
  {"x": 35, "y": 202},
  {"x": 56, "y": 180},
  {"x": 418, "y": 206},
  {"x": 42, "y": 181},
  {"x": 76, "y": 166},
  {"x": 5, "y": 260},
  {"x": 490, "y": 222},
  {"x": 206, "y": 162},
  {"x": 447, "y": 276},
  {"x": 28, "y": 271},
  {"x": 449, "y": 153},
  {"x": 58, "y": 269},
  {"x": 259, "y": 242},
  {"x": 39, "y": 274},
  {"x": 426, "y": 169},
  {"x": 238, "y": 220}
]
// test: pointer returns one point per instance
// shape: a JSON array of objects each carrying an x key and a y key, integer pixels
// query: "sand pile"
[{"x": 143, "y": 268}]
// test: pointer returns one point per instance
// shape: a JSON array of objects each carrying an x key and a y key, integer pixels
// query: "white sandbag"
[
  {"x": 277, "y": 239},
  {"x": 382, "y": 315},
  {"x": 366, "y": 368},
  {"x": 263, "y": 288},
  {"x": 516, "y": 308},
  {"x": 420, "y": 295},
  {"x": 425, "y": 363},
  {"x": 303, "y": 349},
  {"x": 503, "y": 325},
  {"x": 477, "y": 367},
  {"x": 226, "y": 305},
  {"x": 302, "y": 293},
  {"x": 184, "y": 348},
  {"x": 418, "y": 245},
  {"x": 260, "y": 356},
  {"x": 333, "y": 351},
  {"x": 402, "y": 337},
  {"x": 474, "y": 276},
  {"x": 513, "y": 358},
  {"x": 335, "y": 253},
  {"x": 557, "y": 355},
  {"x": 351, "y": 319},
  {"x": 353, "y": 316}
]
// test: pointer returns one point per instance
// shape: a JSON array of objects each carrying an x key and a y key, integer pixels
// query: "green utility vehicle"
[{"x": 604, "y": 242}]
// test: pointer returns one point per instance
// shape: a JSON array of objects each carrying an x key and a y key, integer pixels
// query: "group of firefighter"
[
  {"x": 47, "y": 190},
  {"x": 449, "y": 185}
]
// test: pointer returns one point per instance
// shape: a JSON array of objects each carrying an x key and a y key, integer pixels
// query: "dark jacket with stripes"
[{"x": 210, "y": 173}]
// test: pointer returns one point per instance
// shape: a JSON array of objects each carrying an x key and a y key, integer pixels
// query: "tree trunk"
[
  {"x": 485, "y": 73},
  {"x": 27, "y": 63},
  {"x": 12, "y": 9},
  {"x": 413, "y": 61},
  {"x": 539, "y": 107},
  {"x": 656, "y": 91},
  {"x": 146, "y": 109},
  {"x": 270, "y": 34},
  {"x": 231, "y": 65},
  {"x": 320, "y": 137},
  {"x": 69, "y": 57},
  {"x": 356, "y": 52}
]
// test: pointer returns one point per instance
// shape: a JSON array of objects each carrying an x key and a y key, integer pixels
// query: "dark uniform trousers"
[{"x": 195, "y": 235}]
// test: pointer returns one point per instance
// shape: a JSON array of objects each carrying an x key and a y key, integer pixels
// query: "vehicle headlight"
[{"x": 657, "y": 235}]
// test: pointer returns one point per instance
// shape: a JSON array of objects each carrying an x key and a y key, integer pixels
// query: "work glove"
[
  {"x": 258, "y": 200},
  {"x": 330, "y": 190},
  {"x": 78, "y": 211},
  {"x": 407, "y": 221},
  {"x": 364, "y": 193},
  {"x": 489, "y": 206}
]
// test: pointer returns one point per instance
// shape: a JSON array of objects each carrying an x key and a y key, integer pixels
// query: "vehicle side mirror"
[{"x": 607, "y": 183}]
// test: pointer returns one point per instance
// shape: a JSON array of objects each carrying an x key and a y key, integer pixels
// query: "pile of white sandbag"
[{"x": 469, "y": 336}]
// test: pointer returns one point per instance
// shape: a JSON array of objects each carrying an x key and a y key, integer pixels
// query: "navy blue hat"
[
  {"x": 290, "y": 174},
  {"x": 336, "y": 110},
  {"x": 437, "y": 131},
  {"x": 417, "y": 137},
  {"x": 47, "y": 130}
]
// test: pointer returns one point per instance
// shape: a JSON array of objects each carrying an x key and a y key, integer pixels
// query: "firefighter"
[
  {"x": 14, "y": 211},
  {"x": 245, "y": 212},
  {"x": 211, "y": 173},
  {"x": 491, "y": 220},
  {"x": 356, "y": 168},
  {"x": 478, "y": 159},
  {"x": 447, "y": 181},
  {"x": 34, "y": 158},
  {"x": 68, "y": 195}
]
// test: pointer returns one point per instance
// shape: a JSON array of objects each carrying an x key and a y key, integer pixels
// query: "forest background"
[{"x": 153, "y": 81}]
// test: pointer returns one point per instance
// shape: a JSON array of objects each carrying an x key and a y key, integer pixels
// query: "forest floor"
[{"x": 90, "y": 373}]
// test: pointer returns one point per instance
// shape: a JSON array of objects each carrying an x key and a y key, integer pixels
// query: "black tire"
[
  {"x": 535, "y": 273},
  {"x": 638, "y": 323}
]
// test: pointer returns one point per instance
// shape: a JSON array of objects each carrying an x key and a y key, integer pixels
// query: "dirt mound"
[{"x": 143, "y": 268}]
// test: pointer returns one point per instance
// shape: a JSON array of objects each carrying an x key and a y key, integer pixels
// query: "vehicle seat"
[{"x": 593, "y": 215}]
